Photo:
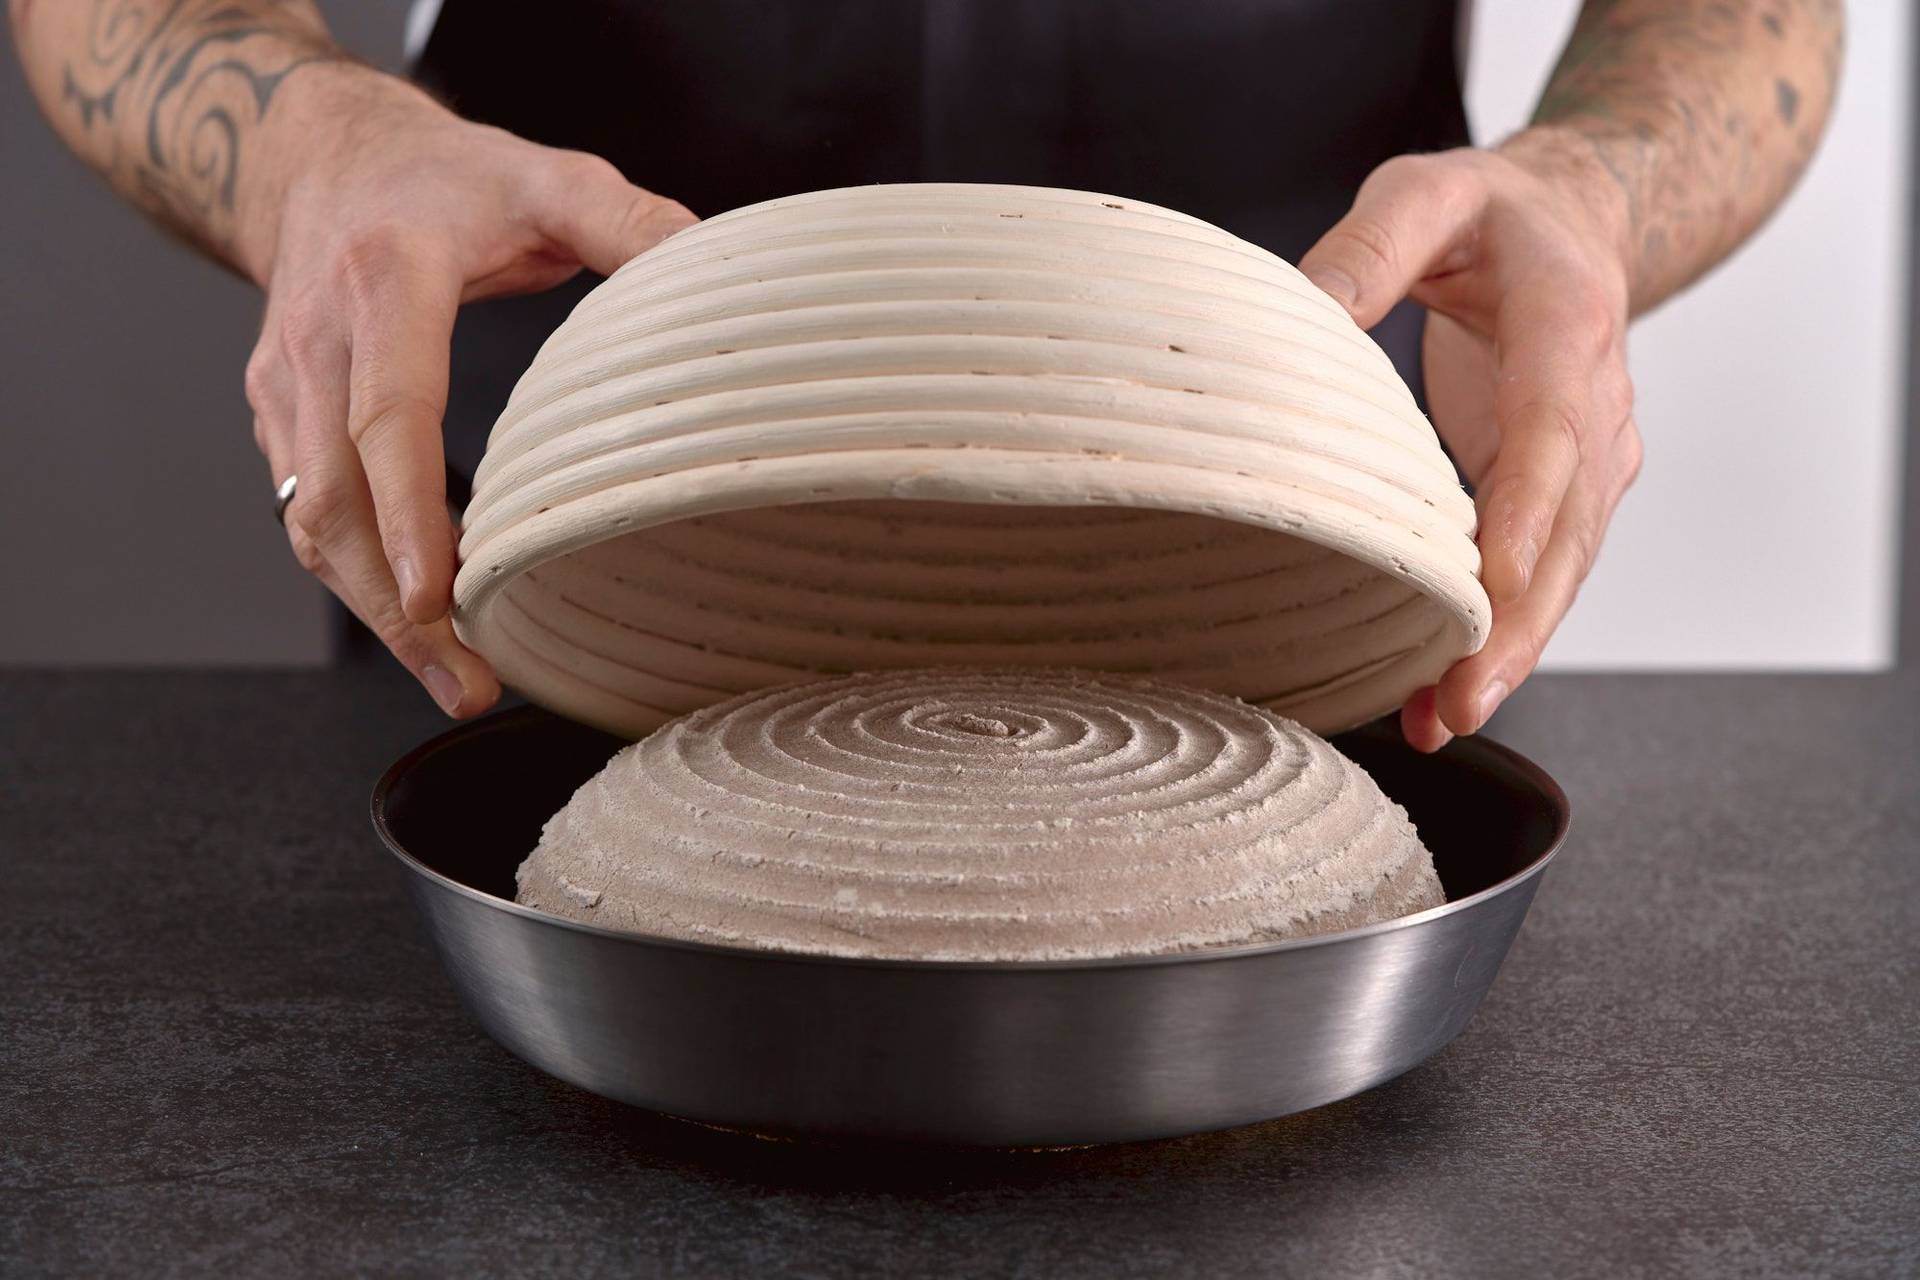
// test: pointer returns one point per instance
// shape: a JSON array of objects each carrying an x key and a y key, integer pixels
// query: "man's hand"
[
  {"x": 375, "y": 214},
  {"x": 1669, "y": 130},
  {"x": 1519, "y": 256},
  {"x": 368, "y": 213}
]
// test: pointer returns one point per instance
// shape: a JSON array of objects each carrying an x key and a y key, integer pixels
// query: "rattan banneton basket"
[{"x": 905, "y": 426}]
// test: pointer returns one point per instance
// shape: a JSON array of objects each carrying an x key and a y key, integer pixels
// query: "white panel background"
[{"x": 1763, "y": 531}]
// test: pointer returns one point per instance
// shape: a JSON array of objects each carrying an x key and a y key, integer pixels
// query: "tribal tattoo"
[
  {"x": 166, "y": 93},
  {"x": 1704, "y": 113}
]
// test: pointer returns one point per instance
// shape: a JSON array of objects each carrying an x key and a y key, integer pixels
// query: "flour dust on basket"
[{"x": 961, "y": 814}]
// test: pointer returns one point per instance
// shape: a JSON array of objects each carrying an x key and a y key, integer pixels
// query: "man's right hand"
[{"x": 373, "y": 213}]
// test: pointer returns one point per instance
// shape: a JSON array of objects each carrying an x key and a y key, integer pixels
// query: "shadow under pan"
[{"x": 990, "y": 1053}]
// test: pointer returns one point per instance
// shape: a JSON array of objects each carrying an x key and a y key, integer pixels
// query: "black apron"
[{"x": 1262, "y": 116}]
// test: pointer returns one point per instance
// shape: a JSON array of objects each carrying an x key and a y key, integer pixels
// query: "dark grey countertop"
[{"x": 225, "y": 1048}]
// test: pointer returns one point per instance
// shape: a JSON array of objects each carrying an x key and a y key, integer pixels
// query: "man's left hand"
[{"x": 1518, "y": 254}]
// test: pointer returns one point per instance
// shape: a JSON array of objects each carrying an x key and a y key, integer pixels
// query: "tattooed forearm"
[
  {"x": 1705, "y": 112},
  {"x": 163, "y": 96}
]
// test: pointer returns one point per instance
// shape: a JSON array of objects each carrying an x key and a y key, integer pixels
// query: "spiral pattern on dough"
[{"x": 980, "y": 815}]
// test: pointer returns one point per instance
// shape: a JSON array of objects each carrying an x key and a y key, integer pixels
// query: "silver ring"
[{"x": 282, "y": 496}]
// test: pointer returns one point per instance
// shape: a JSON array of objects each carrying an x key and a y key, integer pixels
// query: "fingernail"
[
  {"x": 406, "y": 578},
  {"x": 1526, "y": 556},
  {"x": 1490, "y": 699},
  {"x": 445, "y": 688},
  {"x": 1336, "y": 282},
  {"x": 1514, "y": 584}
]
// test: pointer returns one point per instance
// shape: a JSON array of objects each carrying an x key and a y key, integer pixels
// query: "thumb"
[
  {"x": 1405, "y": 217},
  {"x": 603, "y": 219}
]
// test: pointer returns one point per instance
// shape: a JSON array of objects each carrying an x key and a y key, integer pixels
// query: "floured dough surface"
[{"x": 980, "y": 814}]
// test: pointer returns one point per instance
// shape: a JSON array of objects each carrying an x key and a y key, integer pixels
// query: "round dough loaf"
[{"x": 980, "y": 815}]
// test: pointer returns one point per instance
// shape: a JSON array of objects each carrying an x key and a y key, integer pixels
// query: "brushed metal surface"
[{"x": 1010, "y": 1054}]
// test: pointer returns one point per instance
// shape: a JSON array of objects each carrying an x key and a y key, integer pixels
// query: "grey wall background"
[
  {"x": 135, "y": 521},
  {"x": 133, "y": 507}
]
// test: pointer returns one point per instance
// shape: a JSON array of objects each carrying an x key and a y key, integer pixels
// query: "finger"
[
  {"x": 600, "y": 217},
  {"x": 278, "y": 451},
  {"x": 1408, "y": 217},
  {"x": 1459, "y": 365},
  {"x": 332, "y": 507},
  {"x": 403, "y": 310},
  {"x": 1475, "y": 686},
  {"x": 458, "y": 679},
  {"x": 270, "y": 394},
  {"x": 1550, "y": 346},
  {"x": 416, "y": 647},
  {"x": 275, "y": 440},
  {"x": 333, "y": 511},
  {"x": 1420, "y": 723}
]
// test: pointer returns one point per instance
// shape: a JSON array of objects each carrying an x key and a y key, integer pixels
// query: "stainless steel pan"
[{"x": 1013, "y": 1054}]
